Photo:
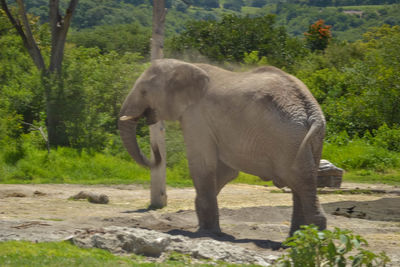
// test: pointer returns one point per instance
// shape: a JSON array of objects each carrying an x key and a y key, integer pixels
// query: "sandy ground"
[{"x": 255, "y": 217}]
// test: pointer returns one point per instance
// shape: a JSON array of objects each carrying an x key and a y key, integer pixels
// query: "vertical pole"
[{"x": 157, "y": 131}]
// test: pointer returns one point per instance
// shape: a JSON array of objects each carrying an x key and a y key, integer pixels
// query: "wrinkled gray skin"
[{"x": 264, "y": 122}]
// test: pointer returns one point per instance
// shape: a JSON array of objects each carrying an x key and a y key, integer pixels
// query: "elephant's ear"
[{"x": 186, "y": 86}]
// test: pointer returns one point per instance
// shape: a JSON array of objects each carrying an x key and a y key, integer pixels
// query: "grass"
[
  {"x": 66, "y": 165},
  {"x": 363, "y": 162},
  {"x": 23, "y": 253},
  {"x": 390, "y": 177},
  {"x": 365, "y": 7}
]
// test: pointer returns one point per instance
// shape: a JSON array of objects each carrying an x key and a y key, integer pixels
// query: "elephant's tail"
[{"x": 316, "y": 129}]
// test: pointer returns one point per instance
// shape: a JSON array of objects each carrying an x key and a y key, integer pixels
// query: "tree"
[
  {"x": 233, "y": 36},
  {"x": 51, "y": 74},
  {"x": 235, "y": 5},
  {"x": 318, "y": 35},
  {"x": 157, "y": 131}
]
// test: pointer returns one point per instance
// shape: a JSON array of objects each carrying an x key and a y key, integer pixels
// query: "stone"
[
  {"x": 154, "y": 244},
  {"x": 91, "y": 197},
  {"x": 125, "y": 240},
  {"x": 329, "y": 175}
]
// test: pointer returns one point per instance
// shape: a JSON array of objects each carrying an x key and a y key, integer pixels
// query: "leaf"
[
  {"x": 321, "y": 235},
  {"x": 344, "y": 239},
  {"x": 331, "y": 249}
]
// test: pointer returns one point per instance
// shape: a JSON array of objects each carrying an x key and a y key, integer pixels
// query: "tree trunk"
[
  {"x": 51, "y": 76},
  {"x": 157, "y": 131}
]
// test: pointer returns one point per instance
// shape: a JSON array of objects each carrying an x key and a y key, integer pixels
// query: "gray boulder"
[
  {"x": 329, "y": 175},
  {"x": 151, "y": 243},
  {"x": 124, "y": 240}
]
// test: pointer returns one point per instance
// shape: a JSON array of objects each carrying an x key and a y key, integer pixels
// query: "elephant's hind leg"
[{"x": 306, "y": 208}]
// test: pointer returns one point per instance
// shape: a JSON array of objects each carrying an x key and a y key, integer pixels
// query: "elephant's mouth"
[{"x": 149, "y": 114}]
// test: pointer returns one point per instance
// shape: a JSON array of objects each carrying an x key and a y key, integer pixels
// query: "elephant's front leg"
[
  {"x": 203, "y": 169},
  {"x": 206, "y": 201},
  {"x": 201, "y": 151}
]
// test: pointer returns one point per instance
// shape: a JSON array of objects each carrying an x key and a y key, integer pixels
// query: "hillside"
[{"x": 349, "y": 18}]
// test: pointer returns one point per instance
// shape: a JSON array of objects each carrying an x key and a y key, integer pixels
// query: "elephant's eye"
[{"x": 143, "y": 93}]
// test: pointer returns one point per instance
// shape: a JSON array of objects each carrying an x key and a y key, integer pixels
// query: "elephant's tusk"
[{"x": 125, "y": 118}]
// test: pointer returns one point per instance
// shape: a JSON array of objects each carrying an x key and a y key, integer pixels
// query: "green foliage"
[
  {"x": 309, "y": 247},
  {"x": 253, "y": 59},
  {"x": 297, "y": 16},
  {"x": 357, "y": 84},
  {"x": 233, "y": 36},
  {"x": 94, "y": 86},
  {"x": 30, "y": 163},
  {"x": 235, "y": 5},
  {"x": 388, "y": 138},
  {"x": 120, "y": 38},
  {"x": 358, "y": 93}
]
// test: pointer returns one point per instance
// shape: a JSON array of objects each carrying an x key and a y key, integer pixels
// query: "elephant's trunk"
[{"x": 127, "y": 129}]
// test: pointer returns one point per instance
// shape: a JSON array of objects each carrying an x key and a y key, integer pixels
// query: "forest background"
[{"x": 346, "y": 51}]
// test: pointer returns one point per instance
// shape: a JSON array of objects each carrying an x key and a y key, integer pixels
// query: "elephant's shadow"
[
  {"x": 266, "y": 227},
  {"x": 239, "y": 226},
  {"x": 223, "y": 237}
]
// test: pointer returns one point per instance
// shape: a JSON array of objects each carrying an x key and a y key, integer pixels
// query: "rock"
[
  {"x": 16, "y": 194},
  {"x": 125, "y": 240},
  {"x": 329, "y": 175},
  {"x": 152, "y": 243},
  {"x": 38, "y": 193},
  {"x": 91, "y": 197}
]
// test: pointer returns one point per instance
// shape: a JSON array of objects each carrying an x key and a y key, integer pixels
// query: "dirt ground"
[{"x": 255, "y": 217}]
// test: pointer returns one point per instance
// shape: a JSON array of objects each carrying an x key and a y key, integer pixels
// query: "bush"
[
  {"x": 388, "y": 138},
  {"x": 309, "y": 247}
]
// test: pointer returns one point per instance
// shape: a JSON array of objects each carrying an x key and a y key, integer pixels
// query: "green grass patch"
[
  {"x": 245, "y": 178},
  {"x": 390, "y": 177},
  {"x": 365, "y": 7},
  {"x": 51, "y": 219},
  {"x": 66, "y": 165},
  {"x": 363, "y": 162},
  {"x": 23, "y": 253},
  {"x": 249, "y": 10},
  {"x": 360, "y": 155}
]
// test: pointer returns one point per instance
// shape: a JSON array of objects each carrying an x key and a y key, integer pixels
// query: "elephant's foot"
[
  {"x": 210, "y": 228},
  {"x": 214, "y": 233},
  {"x": 318, "y": 220}
]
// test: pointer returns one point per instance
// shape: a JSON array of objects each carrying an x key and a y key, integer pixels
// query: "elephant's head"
[{"x": 162, "y": 92}]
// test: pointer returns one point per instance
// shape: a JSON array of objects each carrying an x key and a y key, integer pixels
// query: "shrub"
[
  {"x": 309, "y": 247},
  {"x": 388, "y": 138}
]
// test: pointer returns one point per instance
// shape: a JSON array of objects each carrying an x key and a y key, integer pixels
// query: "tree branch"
[
  {"x": 25, "y": 32},
  {"x": 42, "y": 133},
  {"x": 59, "y": 30}
]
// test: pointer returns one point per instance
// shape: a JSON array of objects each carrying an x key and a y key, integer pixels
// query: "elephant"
[{"x": 263, "y": 122}]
